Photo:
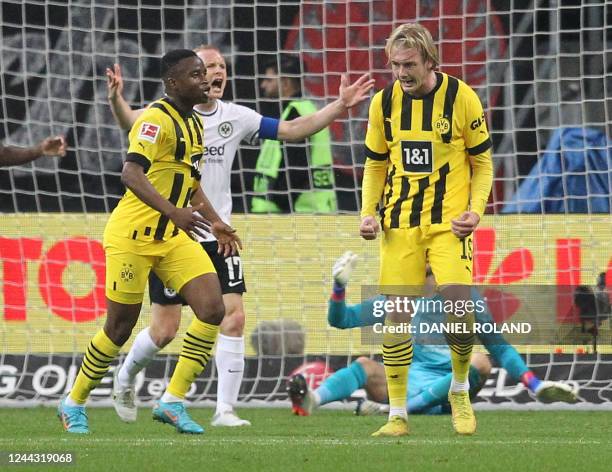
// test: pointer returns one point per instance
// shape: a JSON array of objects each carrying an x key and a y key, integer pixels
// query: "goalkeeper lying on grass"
[{"x": 430, "y": 373}]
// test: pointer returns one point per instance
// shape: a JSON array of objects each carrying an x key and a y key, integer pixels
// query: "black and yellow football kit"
[
  {"x": 428, "y": 160},
  {"x": 138, "y": 238}
]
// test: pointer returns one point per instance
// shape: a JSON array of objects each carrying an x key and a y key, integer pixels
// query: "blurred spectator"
[
  {"x": 278, "y": 338},
  {"x": 572, "y": 176},
  {"x": 294, "y": 177}
]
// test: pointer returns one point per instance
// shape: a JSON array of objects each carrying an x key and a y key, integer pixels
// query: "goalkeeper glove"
[{"x": 343, "y": 268}]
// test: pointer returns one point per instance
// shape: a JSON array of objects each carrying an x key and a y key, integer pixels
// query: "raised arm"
[
  {"x": 123, "y": 113},
  {"x": 343, "y": 316},
  {"x": 339, "y": 314},
  {"x": 14, "y": 156},
  {"x": 349, "y": 96}
]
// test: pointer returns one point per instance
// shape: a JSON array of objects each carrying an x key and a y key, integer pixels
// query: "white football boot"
[
  {"x": 123, "y": 400},
  {"x": 229, "y": 418}
]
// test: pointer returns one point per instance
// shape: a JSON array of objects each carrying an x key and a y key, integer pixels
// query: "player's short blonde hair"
[
  {"x": 206, "y": 47},
  {"x": 414, "y": 36}
]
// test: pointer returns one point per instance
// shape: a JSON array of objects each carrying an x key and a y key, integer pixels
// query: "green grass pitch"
[{"x": 329, "y": 440}]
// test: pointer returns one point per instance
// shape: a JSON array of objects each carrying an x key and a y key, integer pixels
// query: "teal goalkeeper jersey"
[{"x": 430, "y": 350}]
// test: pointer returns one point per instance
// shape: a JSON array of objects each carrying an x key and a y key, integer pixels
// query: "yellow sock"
[
  {"x": 460, "y": 345},
  {"x": 397, "y": 356},
  {"x": 101, "y": 351},
  {"x": 197, "y": 346}
]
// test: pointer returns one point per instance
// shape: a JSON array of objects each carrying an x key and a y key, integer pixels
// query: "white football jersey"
[{"x": 224, "y": 129}]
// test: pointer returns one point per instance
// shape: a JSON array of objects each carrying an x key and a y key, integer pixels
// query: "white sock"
[
  {"x": 169, "y": 398},
  {"x": 398, "y": 411},
  {"x": 70, "y": 402},
  {"x": 229, "y": 359},
  {"x": 459, "y": 386},
  {"x": 141, "y": 354},
  {"x": 316, "y": 398}
]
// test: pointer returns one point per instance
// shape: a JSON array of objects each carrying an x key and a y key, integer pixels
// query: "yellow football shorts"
[
  {"x": 128, "y": 263},
  {"x": 405, "y": 251}
]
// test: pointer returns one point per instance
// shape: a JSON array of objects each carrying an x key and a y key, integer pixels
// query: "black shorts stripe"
[
  {"x": 376, "y": 156},
  {"x": 388, "y": 196},
  {"x": 139, "y": 159},
  {"x": 440, "y": 190},
  {"x": 449, "y": 103},
  {"x": 396, "y": 211},
  {"x": 175, "y": 193},
  {"x": 428, "y": 103},
  {"x": 482, "y": 147},
  {"x": 417, "y": 203},
  {"x": 387, "y": 99},
  {"x": 406, "y": 120}
]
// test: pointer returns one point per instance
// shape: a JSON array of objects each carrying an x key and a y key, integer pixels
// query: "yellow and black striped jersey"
[
  {"x": 168, "y": 145},
  {"x": 426, "y": 142}
]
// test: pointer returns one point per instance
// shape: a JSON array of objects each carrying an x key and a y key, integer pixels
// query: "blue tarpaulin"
[{"x": 574, "y": 175}]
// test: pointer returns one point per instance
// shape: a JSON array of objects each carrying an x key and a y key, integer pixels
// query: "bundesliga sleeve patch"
[{"x": 149, "y": 132}]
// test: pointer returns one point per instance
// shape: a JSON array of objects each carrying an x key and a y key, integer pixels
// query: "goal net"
[{"x": 542, "y": 70}]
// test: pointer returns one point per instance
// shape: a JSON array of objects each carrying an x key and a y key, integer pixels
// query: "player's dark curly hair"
[{"x": 172, "y": 58}]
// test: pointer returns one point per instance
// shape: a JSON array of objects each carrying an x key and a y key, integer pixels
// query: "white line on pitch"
[{"x": 284, "y": 441}]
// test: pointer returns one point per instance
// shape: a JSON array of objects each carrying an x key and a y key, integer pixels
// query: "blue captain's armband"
[{"x": 268, "y": 128}]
